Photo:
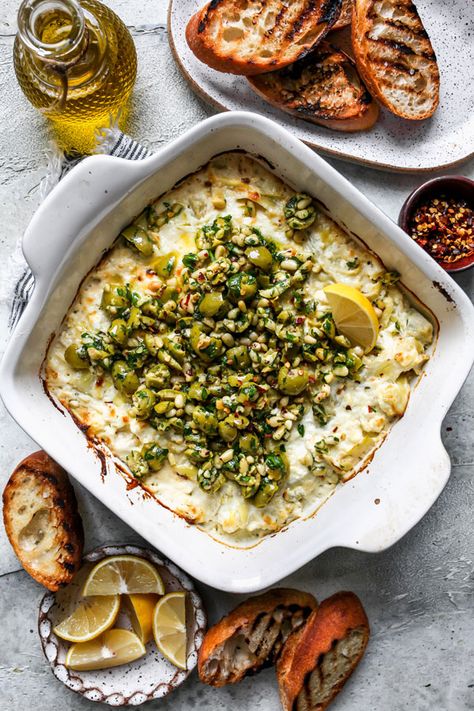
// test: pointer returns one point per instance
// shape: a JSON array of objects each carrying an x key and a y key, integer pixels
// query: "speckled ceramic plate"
[
  {"x": 442, "y": 141},
  {"x": 148, "y": 678}
]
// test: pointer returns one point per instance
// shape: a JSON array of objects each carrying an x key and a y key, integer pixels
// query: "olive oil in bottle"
[{"x": 76, "y": 62}]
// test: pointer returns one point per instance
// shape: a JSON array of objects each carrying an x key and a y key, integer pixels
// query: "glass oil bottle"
[{"x": 75, "y": 61}]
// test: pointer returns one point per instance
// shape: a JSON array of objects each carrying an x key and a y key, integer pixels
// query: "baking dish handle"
[{"x": 81, "y": 198}]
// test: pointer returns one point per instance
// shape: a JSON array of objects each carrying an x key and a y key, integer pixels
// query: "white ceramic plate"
[
  {"x": 83, "y": 215},
  {"x": 444, "y": 140},
  {"x": 150, "y": 677}
]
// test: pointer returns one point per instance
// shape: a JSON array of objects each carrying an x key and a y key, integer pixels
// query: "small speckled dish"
[
  {"x": 456, "y": 186},
  {"x": 148, "y": 678}
]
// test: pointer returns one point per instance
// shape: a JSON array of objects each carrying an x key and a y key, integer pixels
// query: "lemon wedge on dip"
[
  {"x": 353, "y": 314},
  {"x": 140, "y": 608},
  {"x": 111, "y": 649},
  {"x": 169, "y": 628},
  {"x": 123, "y": 574}
]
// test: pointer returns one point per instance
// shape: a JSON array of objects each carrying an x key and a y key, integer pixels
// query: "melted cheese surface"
[{"x": 362, "y": 412}]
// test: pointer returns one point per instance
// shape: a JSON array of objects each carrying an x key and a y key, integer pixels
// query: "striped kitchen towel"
[{"x": 111, "y": 141}]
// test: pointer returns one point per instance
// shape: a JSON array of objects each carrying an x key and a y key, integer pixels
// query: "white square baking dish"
[{"x": 81, "y": 218}]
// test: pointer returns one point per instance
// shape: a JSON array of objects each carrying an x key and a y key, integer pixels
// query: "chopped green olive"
[
  {"x": 175, "y": 349},
  {"x": 154, "y": 456},
  {"x": 292, "y": 381},
  {"x": 137, "y": 237},
  {"x": 198, "y": 392},
  {"x": 210, "y": 480},
  {"x": 73, "y": 357},
  {"x": 124, "y": 377},
  {"x": 227, "y": 431},
  {"x": 265, "y": 493},
  {"x": 249, "y": 443},
  {"x": 261, "y": 257},
  {"x": 143, "y": 402},
  {"x": 114, "y": 298},
  {"x": 238, "y": 357},
  {"x": 118, "y": 331},
  {"x": 205, "y": 420},
  {"x": 241, "y": 286},
  {"x": 164, "y": 265},
  {"x": 208, "y": 348},
  {"x": 213, "y": 304},
  {"x": 157, "y": 376}
]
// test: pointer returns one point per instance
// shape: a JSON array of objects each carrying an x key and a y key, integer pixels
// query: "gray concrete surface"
[{"x": 419, "y": 595}]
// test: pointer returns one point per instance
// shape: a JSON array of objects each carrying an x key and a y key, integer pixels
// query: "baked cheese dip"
[{"x": 206, "y": 351}]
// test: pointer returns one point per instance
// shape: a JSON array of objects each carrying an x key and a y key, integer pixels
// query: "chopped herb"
[{"x": 353, "y": 263}]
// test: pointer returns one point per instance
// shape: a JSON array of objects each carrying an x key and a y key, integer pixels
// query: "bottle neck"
[{"x": 53, "y": 30}]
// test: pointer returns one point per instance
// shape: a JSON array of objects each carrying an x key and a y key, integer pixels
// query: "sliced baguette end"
[
  {"x": 331, "y": 644},
  {"x": 225, "y": 656},
  {"x": 42, "y": 521}
]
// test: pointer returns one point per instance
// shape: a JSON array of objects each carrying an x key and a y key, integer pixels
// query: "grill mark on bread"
[
  {"x": 324, "y": 88},
  {"x": 395, "y": 57},
  {"x": 244, "y": 37}
]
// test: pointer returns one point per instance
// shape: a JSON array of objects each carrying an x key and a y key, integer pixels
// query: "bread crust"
[
  {"x": 334, "y": 619},
  {"x": 243, "y": 615},
  {"x": 399, "y": 51},
  {"x": 316, "y": 20},
  {"x": 41, "y": 486},
  {"x": 321, "y": 89}
]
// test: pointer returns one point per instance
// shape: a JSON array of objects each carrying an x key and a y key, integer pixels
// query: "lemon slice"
[
  {"x": 169, "y": 628},
  {"x": 123, "y": 574},
  {"x": 111, "y": 649},
  {"x": 89, "y": 618},
  {"x": 353, "y": 314},
  {"x": 140, "y": 607}
]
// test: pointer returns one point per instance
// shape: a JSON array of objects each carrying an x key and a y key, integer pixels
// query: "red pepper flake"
[{"x": 444, "y": 227}]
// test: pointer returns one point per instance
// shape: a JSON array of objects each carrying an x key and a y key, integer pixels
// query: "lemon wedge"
[
  {"x": 111, "y": 649},
  {"x": 79, "y": 619},
  {"x": 123, "y": 574},
  {"x": 169, "y": 628},
  {"x": 89, "y": 618},
  {"x": 353, "y": 314},
  {"x": 140, "y": 607}
]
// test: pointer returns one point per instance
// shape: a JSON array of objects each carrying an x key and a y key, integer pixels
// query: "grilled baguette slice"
[
  {"x": 42, "y": 521},
  {"x": 345, "y": 17},
  {"x": 318, "y": 659},
  {"x": 254, "y": 36},
  {"x": 323, "y": 88},
  {"x": 252, "y": 635},
  {"x": 395, "y": 58}
]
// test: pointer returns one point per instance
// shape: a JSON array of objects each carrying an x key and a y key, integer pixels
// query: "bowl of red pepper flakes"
[{"x": 439, "y": 216}]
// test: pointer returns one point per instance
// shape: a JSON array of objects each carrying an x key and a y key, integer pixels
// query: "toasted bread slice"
[
  {"x": 42, "y": 521},
  {"x": 255, "y": 36},
  {"x": 323, "y": 88},
  {"x": 252, "y": 635},
  {"x": 395, "y": 58},
  {"x": 318, "y": 659},
  {"x": 345, "y": 16}
]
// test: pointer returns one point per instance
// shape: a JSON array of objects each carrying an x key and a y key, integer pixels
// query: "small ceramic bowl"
[
  {"x": 150, "y": 677},
  {"x": 450, "y": 185}
]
